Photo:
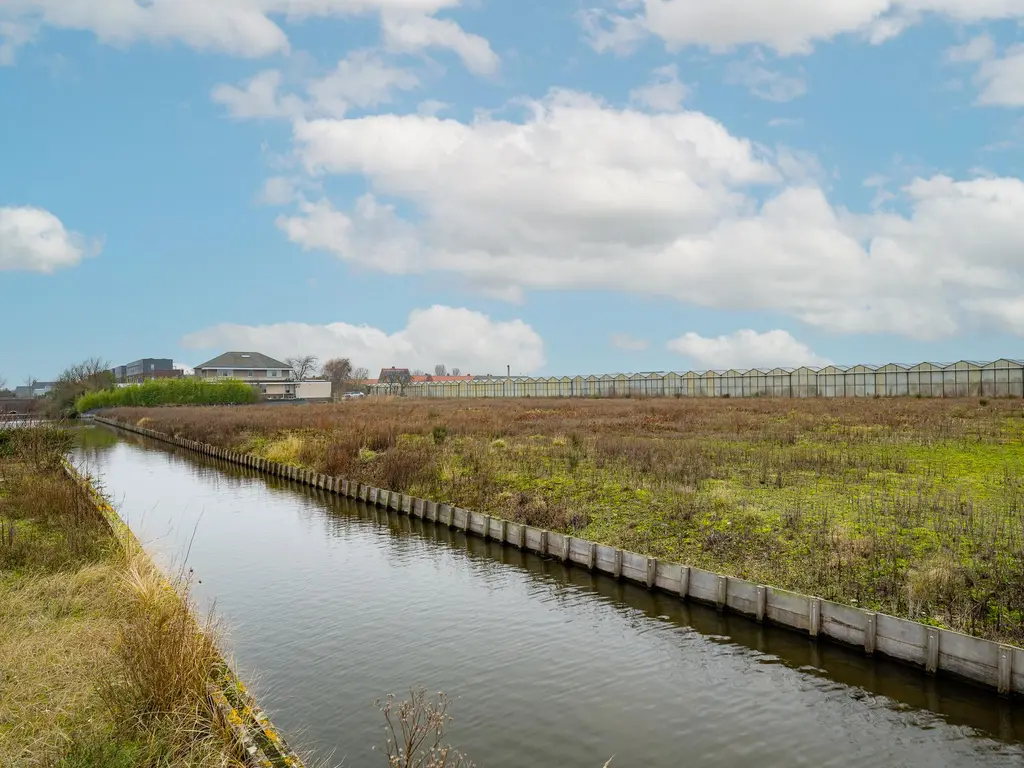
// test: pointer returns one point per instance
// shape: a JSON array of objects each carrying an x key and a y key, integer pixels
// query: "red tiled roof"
[{"x": 424, "y": 378}]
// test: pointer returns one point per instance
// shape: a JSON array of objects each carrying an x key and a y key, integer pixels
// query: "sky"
[{"x": 561, "y": 187}]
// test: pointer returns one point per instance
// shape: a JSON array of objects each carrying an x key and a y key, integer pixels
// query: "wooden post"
[
  {"x": 931, "y": 664},
  {"x": 814, "y": 620},
  {"x": 723, "y": 592},
  {"x": 617, "y": 564},
  {"x": 1005, "y": 669},
  {"x": 870, "y": 632},
  {"x": 684, "y": 582},
  {"x": 652, "y": 571},
  {"x": 762, "y": 602}
]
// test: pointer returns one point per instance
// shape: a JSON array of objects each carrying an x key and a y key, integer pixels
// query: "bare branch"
[
  {"x": 304, "y": 366},
  {"x": 415, "y": 729}
]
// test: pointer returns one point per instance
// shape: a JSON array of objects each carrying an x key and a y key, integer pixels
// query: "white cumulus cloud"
[
  {"x": 998, "y": 77},
  {"x": 411, "y": 33},
  {"x": 13, "y": 35},
  {"x": 456, "y": 337},
  {"x": 581, "y": 195},
  {"x": 664, "y": 93},
  {"x": 34, "y": 240},
  {"x": 786, "y": 26},
  {"x": 1001, "y": 79},
  {"x": 765, "y": 83},
  {"x": 746, "y": 349},
  {"x": 362, "y": 79},
  {"x": 239, "y": 27},
  {"x": 977, "y": 48},
  {"x": 258, "y": 98}
]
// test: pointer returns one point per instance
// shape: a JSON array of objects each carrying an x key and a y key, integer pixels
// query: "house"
[
  {"x": 398, "y": 376},
  {"x": 145, "y": 369},
  {"x": 394, "y": 380},
  {"x": 35, "y": 389},
  {"x": 274, "y": 379},
  {"x": 402, "y": 376}
]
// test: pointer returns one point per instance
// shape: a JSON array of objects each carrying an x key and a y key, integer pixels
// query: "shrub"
[{"x": 170, "y": 392}]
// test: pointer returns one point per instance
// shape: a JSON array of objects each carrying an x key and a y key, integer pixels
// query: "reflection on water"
[
  {"x": 333, "y": 605},
  {"x": 92, "y": 440}
]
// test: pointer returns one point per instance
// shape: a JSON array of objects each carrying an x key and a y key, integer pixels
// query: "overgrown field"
[
  {"x": 911, "y": 507},
  {"x": 101, "y": 664},
  {"x": 169, "y": 392}
]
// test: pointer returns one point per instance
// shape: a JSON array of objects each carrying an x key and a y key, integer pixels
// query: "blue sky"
[{"x": 560, "y": 187}]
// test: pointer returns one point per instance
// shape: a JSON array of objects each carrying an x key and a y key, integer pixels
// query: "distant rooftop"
[{"x": 244, "y": 360}]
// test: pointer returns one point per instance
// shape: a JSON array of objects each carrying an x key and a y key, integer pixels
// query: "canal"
[{"x": 330, "y": 605}]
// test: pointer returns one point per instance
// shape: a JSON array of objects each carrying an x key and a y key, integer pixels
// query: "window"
[
  {"x": 273, "y": 373},
  {"x": 225, "y": 373}
]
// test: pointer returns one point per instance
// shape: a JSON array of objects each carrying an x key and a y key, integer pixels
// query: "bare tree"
[
  {"x": 440, "y": 370},
  {"x": 87, "y": 376},
  {"x": 456, "y": 371},
  {"x": 419, "y": 372},
  {"x": 3, "y": 383},
  {"x": 85, "y": 371},
  {"x": 338, "y": 371},
  {"x": 359, "y": 376},
  {"x": 304, "y": 365}
]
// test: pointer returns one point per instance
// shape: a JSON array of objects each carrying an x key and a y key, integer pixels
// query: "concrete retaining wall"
[
  {"x": 256, "y": 740},
  {"x": 934, "y": 650}
]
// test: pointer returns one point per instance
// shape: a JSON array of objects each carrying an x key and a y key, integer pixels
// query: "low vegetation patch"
[
  {"x": 169, "y": 392},
  {"x": 102, "y": 661},
  {"x": 912, "y": 507}
]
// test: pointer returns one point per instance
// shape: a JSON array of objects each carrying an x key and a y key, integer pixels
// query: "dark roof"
[{"x": 243, "y": 360}]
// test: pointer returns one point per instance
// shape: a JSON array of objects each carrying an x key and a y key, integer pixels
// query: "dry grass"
[
  {"x": 415, "y": 730},
  {"x": 103, "y": 664},
  {"x": 910, "y": 506}
]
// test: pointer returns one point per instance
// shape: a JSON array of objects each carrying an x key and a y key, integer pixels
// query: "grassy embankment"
[
  {"x": 170, "y": 392},
  {"x": 101, "y": 663},
  {"x": 907, "y": 506}
]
